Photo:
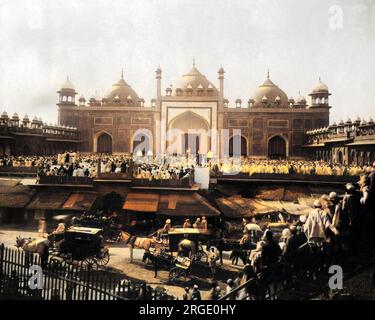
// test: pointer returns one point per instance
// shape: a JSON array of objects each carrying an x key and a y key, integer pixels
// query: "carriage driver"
[
  {"x": 204, "y": 224},
  {"x": 60, "y": 229},
  {"x": 187, "y": 224},
  {"x": 167, "y": 226},
  {"x": 58, "y": 233},
  {"x": 245, "y": 238},
  {"x": 162, "y": 233},
  {"x": 197, "y": 223}
]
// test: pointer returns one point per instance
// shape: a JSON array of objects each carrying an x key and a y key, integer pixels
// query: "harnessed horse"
[{"x": 30, "y": 246}]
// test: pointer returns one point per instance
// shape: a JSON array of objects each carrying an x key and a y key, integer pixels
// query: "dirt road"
[{"x": 120, "y": 262}]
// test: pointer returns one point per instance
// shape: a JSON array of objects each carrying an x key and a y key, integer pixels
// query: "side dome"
[
  {"x": 194, "y": 83},
  {"x": 269, "y": 95},
  {"x": 320, "y": 87},
  {"x": 122, "y": 93},
  {"x": 67, "y": 85}
]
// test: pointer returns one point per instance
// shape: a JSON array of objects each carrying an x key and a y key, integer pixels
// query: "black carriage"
[
  {"x": 84, "y": 245},
  {"x": 111, "y": 232},
  {"x": 179, "y": 266}
]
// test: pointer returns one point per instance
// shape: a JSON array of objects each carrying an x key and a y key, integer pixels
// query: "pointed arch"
[
  {"x": 243, "y": 145},
  {"x": 103, "y": 142},
  {"x": 188, "y": 130},
  {"x": 277, "y": 147}
]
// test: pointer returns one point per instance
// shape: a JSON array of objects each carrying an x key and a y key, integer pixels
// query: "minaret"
[
  {"x": 319, "y": 101},
  {"x": 320, "y": 95},
  {"x": 221, "y": 87},
  {"x": 67, "y": 95},
  {"x": 158, "y": 85},
  {"x": 157, "y": 146}
]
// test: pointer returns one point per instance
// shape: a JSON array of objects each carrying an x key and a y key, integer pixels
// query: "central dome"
[
  {"x": 122, "y": 92},
  {"x": 195, "y": 82},
  {"x": 270, "y": 95}
]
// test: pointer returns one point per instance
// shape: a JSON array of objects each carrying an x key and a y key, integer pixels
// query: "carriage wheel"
[
  {"x": 201, "y": 256},
  {"x": 89, "y": 262},
  {"x": 68, "y": 258},
  {"x": 176, "y": 273},
  {"x": 55, "y": 263},
  {"x": 103, "y": 258}
]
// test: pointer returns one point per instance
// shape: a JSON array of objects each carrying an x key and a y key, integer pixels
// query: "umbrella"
[
  {"x": 62, "y": 217},
  {"x": 253, "y": 227}
]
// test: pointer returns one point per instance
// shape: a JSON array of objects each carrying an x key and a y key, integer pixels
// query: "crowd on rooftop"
[
  {"x": 155, "y": 168},
  {"x": 305, "y": 167}
]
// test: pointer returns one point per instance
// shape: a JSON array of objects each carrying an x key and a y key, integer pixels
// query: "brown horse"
[
  {"x": 137, "y": 242},
  {"x": 30, "y": 246}
]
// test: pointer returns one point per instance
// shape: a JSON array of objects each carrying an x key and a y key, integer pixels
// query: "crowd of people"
[
  {"x": 174, "y": 167},
  {"x": 88, "y": 165},
  {"x": 337, "y": 225},
  {"x": 304, "y": 167}
]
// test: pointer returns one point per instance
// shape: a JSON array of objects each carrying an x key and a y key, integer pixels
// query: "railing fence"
[{"x": 62, "y": 281}]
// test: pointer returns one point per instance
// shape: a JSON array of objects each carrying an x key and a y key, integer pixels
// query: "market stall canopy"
[
  {"x": 80, "y": 201},
  {"x": 187, "y": 205},
  {"x": 141, "y": 202},
  {"x": 284, "y": 193},
  {"x": 48, "y": 200},
  {"x": 234, "y": 207},
  {"x": 14, "y": 195}
]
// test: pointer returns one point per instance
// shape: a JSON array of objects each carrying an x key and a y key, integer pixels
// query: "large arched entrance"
[
  {"x": 234, "y": 143},
  {"x": 277, "y": 148},
  {"x": 188, "y": 131},
  {"x": 104, "y": 144}
]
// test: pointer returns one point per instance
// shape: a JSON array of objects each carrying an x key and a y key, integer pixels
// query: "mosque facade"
[{"x": 194, "y": 116}]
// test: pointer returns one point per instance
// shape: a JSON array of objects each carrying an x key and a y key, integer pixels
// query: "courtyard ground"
[{"x": 120, "y": 263}]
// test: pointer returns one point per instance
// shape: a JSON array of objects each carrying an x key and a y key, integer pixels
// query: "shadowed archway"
[
  {"x": 277, "y": 148},
  {"x": 104, "y": 143},
  {"x": 242, "y": 143}
]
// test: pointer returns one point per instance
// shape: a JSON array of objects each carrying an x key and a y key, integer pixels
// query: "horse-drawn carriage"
[
  {"x": 194, "y": 239},
  {"x": 186, "y": 243},
  {"x": 111, "y": 232},
  {"x": 84, "y": 245}
]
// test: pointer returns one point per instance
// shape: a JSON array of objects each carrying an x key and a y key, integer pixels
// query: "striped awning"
[
  {"x": 141, "y": 202},
  {"x": 80, "y": 201},
  {"x": 48, "y": 200}
]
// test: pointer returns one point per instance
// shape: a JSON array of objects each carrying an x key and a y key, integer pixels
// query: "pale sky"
[{"x": 43, "y": 41}]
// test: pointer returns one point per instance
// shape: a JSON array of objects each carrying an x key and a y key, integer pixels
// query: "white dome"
[
  {"x": 194, "y": 80},
  {"x": 320, "y": 87},
  {"x": 67, "y": 85}
]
